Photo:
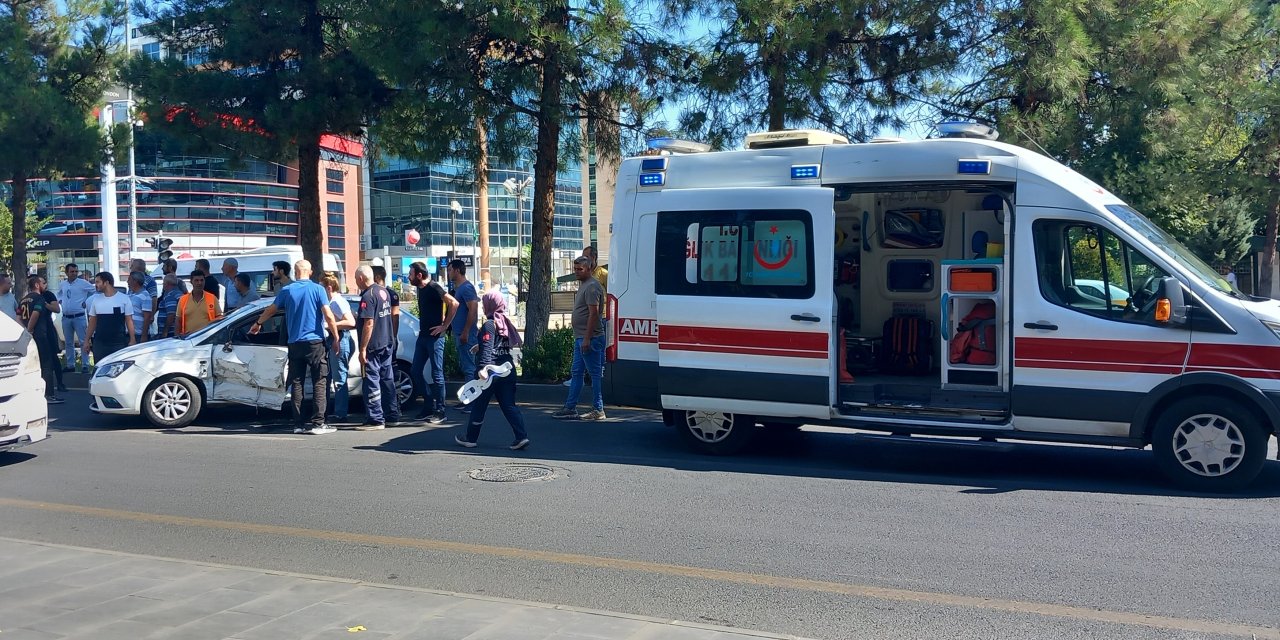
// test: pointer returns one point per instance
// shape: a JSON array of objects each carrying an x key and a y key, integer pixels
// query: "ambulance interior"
[{"x": 899, "y": 254}]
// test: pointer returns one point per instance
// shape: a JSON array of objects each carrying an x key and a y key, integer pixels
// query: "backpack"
[
  {"x": 907, "y": 346},
  {"x": 975, "y": 339}
]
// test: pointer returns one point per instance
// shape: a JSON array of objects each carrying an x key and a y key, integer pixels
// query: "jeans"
[
  {"x": 429, "y": 352},
  {"x": 308, "y": 358},
  {"x": 505, "y": 390},
  {"x": 71, "y": 329},
  {"x": 104, "y": 346},
  {"x": 338, "y": 370},
  {"x": 592, "y": 364},
  {"x": 379, "y": 386},
  {"x": 466, "y": 359}
]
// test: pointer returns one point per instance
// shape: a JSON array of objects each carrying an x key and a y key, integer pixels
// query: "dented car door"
[{"x": 250, "y": 370}]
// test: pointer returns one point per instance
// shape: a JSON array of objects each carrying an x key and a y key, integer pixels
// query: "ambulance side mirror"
[{"x": 1171, "y": 307}]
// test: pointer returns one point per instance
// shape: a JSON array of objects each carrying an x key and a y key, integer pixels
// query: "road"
[{"x": 818, "y": 534}]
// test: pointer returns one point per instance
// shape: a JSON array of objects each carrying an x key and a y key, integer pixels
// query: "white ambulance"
[{"x": 951, "y": 286}]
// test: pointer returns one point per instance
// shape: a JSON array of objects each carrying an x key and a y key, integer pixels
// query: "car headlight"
[
  {"x": 114, "y": 369},
  {"x": 1274, "y": 327}
]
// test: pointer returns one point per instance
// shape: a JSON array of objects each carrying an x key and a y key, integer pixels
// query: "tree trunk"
[
  {"x": 309, "y": 222},
  {"x": 1266, "y": 287},
  {"x": 546, "y": 162},
  {"x": 18, "y": 207},
  {"x": 482, "y": 199},
  {"x": 776, "y": 108}
]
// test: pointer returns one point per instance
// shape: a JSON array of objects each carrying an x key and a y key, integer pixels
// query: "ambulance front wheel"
[
  {"x": 1208, "y": 444},
  {"x": 714, "y": 432}
]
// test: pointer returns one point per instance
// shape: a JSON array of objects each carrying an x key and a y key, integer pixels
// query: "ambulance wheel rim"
[
  {"x": 1209, "y": 445},
  {"x": 709, "y": 426}
]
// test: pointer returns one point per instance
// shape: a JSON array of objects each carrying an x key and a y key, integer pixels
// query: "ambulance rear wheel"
[
  {"x": 716, "y": 433},
  {"x": 1206, "y": 444}
]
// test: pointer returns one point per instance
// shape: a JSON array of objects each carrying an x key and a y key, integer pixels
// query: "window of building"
[
  {"x": 333, "y": 180},
  {"x": 151, "y": 50},
  {"x": 1084, "y": 267},
  {"x": 757, "y": 253}
]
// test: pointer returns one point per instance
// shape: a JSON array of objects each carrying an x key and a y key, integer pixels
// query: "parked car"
[
  {"x": 171, "y": 381},
  {"x": 24, "y": 415},
  {"x": 1095, "y": 289}
]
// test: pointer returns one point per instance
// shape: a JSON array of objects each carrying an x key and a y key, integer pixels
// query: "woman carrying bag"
[{"x": 497, "y": 337}]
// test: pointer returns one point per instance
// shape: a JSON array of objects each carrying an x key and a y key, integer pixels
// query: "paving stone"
[
  {"x": 84, "y": 620},
  {"x": 47, "y": 571},
  {"x": 296, "y": 597},
  {"x": 27, "y": 615},
  {"x": 444, "y": 629},
  {"x": 29, "y": 634},
  {"x": 31, "y": 593},
  {"x": 184, "y": 611},
  {"x": 197, "y": 582},
  {"x": 300, "y": 623},
  {"x": 124, "y": 630},
  {"x": 220, "y": 625},
  {"x": 111, "y": 589},
  {"x": 95, "y": 576},
  {"x": 594, "y": 626}
]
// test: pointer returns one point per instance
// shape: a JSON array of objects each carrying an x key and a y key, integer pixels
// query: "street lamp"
[
  {"x": 517, "y": 189},
  {"x": 455, "y": 209}
]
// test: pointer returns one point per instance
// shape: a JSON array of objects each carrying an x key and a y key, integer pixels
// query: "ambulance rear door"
[{"x": 745, "y": 303}]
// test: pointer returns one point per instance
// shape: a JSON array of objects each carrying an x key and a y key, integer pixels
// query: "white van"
[
  {"x": 24, "y": 415},
  {"x": 256, "y": 263},
  {"x": 742, "y": 280}
]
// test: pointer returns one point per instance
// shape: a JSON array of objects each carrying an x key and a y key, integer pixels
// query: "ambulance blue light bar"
[
  {"x": 974, "y": 167},
  {"x": 805, "y": 171},
  {"x": 653, "y": 164},
  {"x": 653, "y": 179}
]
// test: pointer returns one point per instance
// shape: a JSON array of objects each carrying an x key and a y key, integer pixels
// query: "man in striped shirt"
[{"x": 167, "y": 310}]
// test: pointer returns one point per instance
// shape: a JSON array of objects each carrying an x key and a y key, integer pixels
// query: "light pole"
[
  {"x": 517, "y": 189},
  {"x": 455, "y": 209}
]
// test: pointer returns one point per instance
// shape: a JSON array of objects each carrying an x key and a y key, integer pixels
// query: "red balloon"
[{"x": 412, "y": 237}]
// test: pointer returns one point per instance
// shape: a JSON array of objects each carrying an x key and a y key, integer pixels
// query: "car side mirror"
[
  {"x": 1171, "y": 306},
  {"x": 226, "y": 348}
]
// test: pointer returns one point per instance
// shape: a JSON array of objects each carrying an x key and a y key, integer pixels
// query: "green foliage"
[
  {"x": 1224, "y": 237},
  {"x": 6, "y": 232},
  {"x": 549, "y": 360},
  {"x": 452, "y": 370}
]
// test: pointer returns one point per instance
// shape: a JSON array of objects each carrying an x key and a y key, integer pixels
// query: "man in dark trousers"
[
  {"x": 36, "y": 312},
  {"x": 306, "y": 310},
  {"x": 436, "y": 309},
  {"x": 375, "y": 332}
]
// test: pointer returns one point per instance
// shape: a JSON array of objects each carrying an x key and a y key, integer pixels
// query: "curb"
[{"x": 396, "y": 587}]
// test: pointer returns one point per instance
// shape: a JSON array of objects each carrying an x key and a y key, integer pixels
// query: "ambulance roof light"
[
  {"x": 673, "y": 145},
  {"x": 966, "y": 129}
]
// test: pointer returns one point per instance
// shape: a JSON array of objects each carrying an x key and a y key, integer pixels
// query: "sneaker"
[
  {"x": 54, "y": 400},
  {"x": 567, "y": 383},
  {"x": 460, "y": 441},
  {"x": 62, "y": 388},
  {"x": 299, "y": 429},
  {"x": 519, "y": 444},
  {"x": 320, "y": 430},
  {"x": 436, "y": 418},
  {"x": 565, "y": 414},
  {"x": 593, "y": 415},
  {"x": 371, "y": 426},
  {"x": 84, "y": 370}
]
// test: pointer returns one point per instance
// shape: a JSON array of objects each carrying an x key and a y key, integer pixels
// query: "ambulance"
[{"x": 954, "y": 286}]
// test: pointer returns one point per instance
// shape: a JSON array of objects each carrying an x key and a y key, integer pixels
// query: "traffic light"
[{"x": 161, "y": 244}]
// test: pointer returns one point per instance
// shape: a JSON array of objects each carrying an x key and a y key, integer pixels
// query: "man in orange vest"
[{"x": 197, "y": 308}]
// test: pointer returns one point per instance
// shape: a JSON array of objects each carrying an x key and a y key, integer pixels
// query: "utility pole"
[{"x": 133, "y": 170}]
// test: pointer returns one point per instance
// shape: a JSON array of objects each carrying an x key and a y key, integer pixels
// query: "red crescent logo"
[{"x": 774, "y": 266}]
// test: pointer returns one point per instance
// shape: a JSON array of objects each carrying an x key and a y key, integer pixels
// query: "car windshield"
[{"x": 1171, "y": 247}]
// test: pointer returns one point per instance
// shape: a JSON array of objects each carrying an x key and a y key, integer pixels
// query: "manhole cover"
[{"x": 513, "y": 473}]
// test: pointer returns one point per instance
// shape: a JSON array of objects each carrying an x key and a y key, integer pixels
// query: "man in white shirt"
[
  {"x": 8, "y": 301},
  {"x": 73, "y": 294}
]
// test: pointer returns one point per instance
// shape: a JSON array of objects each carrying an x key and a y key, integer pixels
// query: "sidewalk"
[{"x": 51, "y": 591}]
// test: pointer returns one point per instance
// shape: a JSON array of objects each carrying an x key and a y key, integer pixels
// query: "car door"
[
  {"x": 250, "y": 369},
  {"x": 1083, "y": 359},
  {"x": 744, "y": 297}
]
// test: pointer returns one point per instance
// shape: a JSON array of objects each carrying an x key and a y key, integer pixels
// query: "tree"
[
  {"x": 261, "y": 79},
  {"x": 57, "y": 62},
  {"x": 32, "y": 226}
]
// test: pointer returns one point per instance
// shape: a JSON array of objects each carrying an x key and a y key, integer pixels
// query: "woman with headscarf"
[{"x": 497, "y": 337}]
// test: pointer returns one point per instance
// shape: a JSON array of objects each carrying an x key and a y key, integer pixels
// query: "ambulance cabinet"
[{"x": 973, "y": 289}]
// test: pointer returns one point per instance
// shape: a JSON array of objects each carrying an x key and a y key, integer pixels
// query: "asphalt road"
[{"x": 819, "y": 534}]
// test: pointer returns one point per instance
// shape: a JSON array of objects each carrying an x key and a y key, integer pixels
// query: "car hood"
[{"x": 154, "y": 351}]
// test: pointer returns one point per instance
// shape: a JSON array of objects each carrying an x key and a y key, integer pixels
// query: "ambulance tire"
[
  {"x": 716, "y": 433},
  {"x": 1235, "y": 451}
]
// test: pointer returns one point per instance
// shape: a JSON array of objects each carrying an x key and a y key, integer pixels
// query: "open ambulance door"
[{"x": 745, "y": 307}]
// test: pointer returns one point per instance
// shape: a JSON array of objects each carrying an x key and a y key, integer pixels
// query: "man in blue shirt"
[
  {"x": 377, "y": 343},
  {"x": 306, "y": 314},
  {"x": 464, "y": 321}
]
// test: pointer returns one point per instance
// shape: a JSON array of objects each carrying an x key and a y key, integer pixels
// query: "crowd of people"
[{"x": 323, "y": 333}]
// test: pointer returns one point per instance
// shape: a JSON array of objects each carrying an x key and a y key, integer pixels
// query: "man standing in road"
[
  {"x": 234, "y": 299},
  {"x": 376, "y": 357},
  {"x": 110, "y": 318},
  {"x": 198, "y": 308},
  {"x": 464, "y": 321},
  {"x": 36, "y": 313},
  {"x": 307, "y": 315},
  {"x": 380, "y": 277},
  {"x": 436, "y": 309},
  {"x": 170, "y": 268},
  {"x": 211, "y": 285},
  {"x": 73, "y": 293},
  {"x": 139, "y": 266},
  {"x": 8, "y": 301},
  {"x": 167, "y": 313},
  {"x": 588, "y": 343},
  {"x": 142, "y": 306}
]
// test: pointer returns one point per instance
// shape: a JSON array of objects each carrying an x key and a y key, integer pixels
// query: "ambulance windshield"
[{"x": 1171, "y": 247}]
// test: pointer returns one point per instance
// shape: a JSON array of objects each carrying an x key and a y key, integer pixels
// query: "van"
[
  {"x": 256, "y": 263},
  {"x": 24, "y": 415},
  {"x": 954, "y": 286}
]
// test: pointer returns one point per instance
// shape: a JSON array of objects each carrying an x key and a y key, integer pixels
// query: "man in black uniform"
[
  {"x": 376, "y": 356},
  {"x": 36, "y": 311},
  {"x": 435, "y": 313}
]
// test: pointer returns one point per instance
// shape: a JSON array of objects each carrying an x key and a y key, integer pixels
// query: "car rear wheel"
[
  {"x": 1209, "y": 444},
  {"x": 172, "y": 403},
  {"x": 714, "y": 432}
]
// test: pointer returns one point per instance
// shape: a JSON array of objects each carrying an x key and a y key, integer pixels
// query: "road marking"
[{"x": 735, "y": 577}]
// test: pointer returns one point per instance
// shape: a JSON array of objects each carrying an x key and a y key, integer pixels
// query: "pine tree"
[
  {"x": 263, "y": 80},
  {"x": 58, "y": 61}
]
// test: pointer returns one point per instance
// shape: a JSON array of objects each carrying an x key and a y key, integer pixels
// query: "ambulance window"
[
  {"x": 1087, "y": 268},
  {"x": 753, "y": 253}
]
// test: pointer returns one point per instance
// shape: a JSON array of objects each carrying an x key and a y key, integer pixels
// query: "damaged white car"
[{"x": 171, "y": 381}]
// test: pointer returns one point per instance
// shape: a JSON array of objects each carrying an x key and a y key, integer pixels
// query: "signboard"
[
  {"x": 62, "y": 242},
  {"x": 443, "y": 263},
  {"x": 562, "y": 301}
]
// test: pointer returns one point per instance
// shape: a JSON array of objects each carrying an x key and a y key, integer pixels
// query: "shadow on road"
[
  {"x": 635, "y": 438},
  {"x": 14, "y": 457}
]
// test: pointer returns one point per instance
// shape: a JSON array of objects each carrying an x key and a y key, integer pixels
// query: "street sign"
[
  {"x": 443, "y": 263},
  {"x": 58, "y": 242}
]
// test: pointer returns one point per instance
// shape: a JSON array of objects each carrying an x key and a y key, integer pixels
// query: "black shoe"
[
  {"x": 436, "y": 418},
  {"x": 54, "y": 400},
  {"x": 62, "y": 388}
]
